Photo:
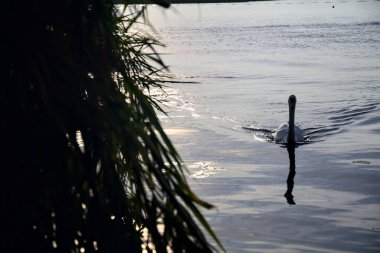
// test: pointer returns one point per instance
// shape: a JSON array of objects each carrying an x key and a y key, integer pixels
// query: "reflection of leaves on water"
[{"x": 204, "y": 169}]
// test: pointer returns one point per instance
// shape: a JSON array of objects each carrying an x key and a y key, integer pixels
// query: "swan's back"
[{"x": 281, "y": 133}]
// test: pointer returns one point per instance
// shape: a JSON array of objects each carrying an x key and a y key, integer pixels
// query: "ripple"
[{"x": 204, "y": 169}]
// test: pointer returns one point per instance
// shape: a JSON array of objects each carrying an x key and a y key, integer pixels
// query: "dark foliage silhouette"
[{"x": 85, "y": 164}]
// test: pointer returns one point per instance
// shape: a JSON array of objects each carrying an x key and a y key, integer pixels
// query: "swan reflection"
[{"x": 292, "y": 172}]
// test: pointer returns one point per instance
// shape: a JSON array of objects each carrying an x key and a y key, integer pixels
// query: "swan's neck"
[{"x": 291, "y": 125}]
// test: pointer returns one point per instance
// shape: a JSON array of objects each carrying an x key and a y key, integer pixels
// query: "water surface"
[{"x": 236, "y": 64}]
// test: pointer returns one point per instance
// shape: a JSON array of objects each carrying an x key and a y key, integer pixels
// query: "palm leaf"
[{"x": 87, "y": 165}]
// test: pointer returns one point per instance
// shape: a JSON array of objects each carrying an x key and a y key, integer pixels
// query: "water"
[{"x": 236, "y": 64}]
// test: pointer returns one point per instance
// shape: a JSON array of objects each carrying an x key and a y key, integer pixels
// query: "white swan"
[{"x": 288, "y": 132}]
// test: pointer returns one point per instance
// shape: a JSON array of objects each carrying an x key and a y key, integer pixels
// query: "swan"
[{"x": 288, "y": 132}]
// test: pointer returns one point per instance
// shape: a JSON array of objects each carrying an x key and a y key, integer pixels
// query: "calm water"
[{"x": 237, "y": 64}]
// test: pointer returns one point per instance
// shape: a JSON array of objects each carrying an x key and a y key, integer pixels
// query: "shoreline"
[{"x": 166, "y": 3}]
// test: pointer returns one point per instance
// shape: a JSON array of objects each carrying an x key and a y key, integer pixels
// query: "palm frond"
[{"x": 87, "y": 166}]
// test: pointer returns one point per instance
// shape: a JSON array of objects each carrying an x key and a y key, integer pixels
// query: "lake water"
[{"x": 236, "y": 64}]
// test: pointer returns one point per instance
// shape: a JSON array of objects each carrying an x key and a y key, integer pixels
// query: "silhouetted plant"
[{"x": 86, "y": 165}]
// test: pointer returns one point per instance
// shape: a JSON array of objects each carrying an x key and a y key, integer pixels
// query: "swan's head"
[{"x": 292, "y": 101}]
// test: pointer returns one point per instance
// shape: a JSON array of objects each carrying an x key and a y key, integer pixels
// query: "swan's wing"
[
  {"x": 298, "y": 136},
  {"x": 283, "y": 126},
  {"x": 281, "y": 133}
]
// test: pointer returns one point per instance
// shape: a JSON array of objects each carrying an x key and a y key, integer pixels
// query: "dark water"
[{"x": 236, "y": 64}]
